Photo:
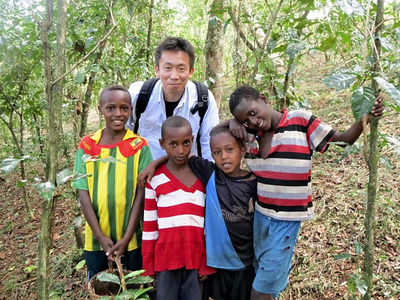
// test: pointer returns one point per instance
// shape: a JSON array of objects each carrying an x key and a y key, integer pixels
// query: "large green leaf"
[
  {"x": 390, "y": 89},
  {"x": 340, "y": 80},
  {"x": 294, "y": 48},
  {"x": 141, "y": 293},
  {"x": 108, "y": 277},
  {"x": 110, "y": 159},
  {"x": 139, "y": 280},
  {"x": 46, "y": 190},
  {"x": 350, "y": 7},
  {"x": 343, "y": 256},
  {"x": 327, "y": 43},
  {"x": 10, "y": 164},
  {"x": 392, "y": 141},
  {"x": 64, "y": 176},
  {"x": 134, "y": 274},
  {"x": 362, "y": 101}
]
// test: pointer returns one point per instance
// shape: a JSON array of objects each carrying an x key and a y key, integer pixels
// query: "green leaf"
[
  {"x": 390, "y": 89},
  {"x": 386, "y": 162},
  {"x": 327, "y": 44},
  {"x": 89, "y": 42},
  {"x": 386, "y": 44},
  {"x": 339, "y": 80},
  {"x": 10, "y": 164},
  {"x": 140, "y": 280},
  {"x": 80, "y": 265},
  {"x": 80, "y": 77},
  {"x": 293, "y": 49},
  {"x": 351, "y": 284},
  {"x": 110, "y": 159},
  {"x": 108, "y": 277},
  {"x": 350, "y": 7},
  {"x": 358, "y": 247},
  {"x": 140, "y": 292},
  {"x": 126, "y": 295},
  {"x": 393, "y": 141},
  {"x": 362, "y": 102},
  {"x": 46, "y": 190},
  {"x": 343, "y": 256},
  {"x": 21, "y": 183},
  {"x": 348, "y": 150},
  {"x": 361, "y": 286},
  {"x": 64, "y": 176},
  {"x": 134, "y": 274}
]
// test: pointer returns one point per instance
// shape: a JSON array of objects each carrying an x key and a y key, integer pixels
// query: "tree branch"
[
  {"x": 266, "y": 38},
  {"x": 89, "y": 53}
]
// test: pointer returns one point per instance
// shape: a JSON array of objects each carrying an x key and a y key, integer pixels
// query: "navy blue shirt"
[{"x": 236, "y": 196}]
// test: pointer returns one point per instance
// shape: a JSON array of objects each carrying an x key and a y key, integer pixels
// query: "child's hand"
[
  {"x": 377, "y": 109},
  {"x": 106, "y": 243},
  {"x": 238, "y": 130},
  {"x": 148, "y": 173},
  {"x": 202, "y": 277},
  {"x": 118, "y": 249}
]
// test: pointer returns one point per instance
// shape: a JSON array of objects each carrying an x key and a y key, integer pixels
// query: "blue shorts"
[{"x": 274, "y": 242}]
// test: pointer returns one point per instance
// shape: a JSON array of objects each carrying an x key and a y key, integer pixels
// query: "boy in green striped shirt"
[{"x": 111, "y": 200}]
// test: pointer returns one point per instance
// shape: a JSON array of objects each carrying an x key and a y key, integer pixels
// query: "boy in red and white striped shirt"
[{"x": 173, "y": 245}]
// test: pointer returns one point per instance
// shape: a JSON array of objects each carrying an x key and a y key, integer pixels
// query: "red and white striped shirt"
[
  {"x": 284, "y": 176},
  {"x": 173, "y": 228}
]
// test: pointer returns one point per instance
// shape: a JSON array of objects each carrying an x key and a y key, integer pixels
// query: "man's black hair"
[
  {"x": 174, "y": 122},
  {"x": 242, "y": 93},
  {"x": 114, "y": 87},
  {"x": 175, "y": 44}
]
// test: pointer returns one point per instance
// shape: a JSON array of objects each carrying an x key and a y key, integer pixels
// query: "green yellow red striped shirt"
[{"x": 111, "y": 181}]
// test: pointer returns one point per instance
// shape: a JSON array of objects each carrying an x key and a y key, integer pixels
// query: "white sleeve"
[
  {"x": 211, "y": 119},
  {"x": 134, "y": 90}
]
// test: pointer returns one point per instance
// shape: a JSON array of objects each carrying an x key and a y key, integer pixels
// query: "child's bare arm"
[
  {"x": 90, "y": 216},
  {"x": 237, "y": 129},
  {"x": 148, "y": 172},
  {"x": 351, "y": 135},
  {"x": 134, "y": 218}
]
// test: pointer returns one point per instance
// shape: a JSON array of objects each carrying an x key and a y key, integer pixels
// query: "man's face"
[{"x": 174, "y": 72}]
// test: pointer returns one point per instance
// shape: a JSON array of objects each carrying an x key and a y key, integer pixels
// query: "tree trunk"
[
  {"x": 237, "y": 51},
  {"x": 264, "y": 44},
  {"x": 372, "y": 163},
  {"x": 149, "y": 30},
  {"x": 89, "y": 88},
  {"x": 214, "y": 49},
  {"x": 54, "y": 94}
]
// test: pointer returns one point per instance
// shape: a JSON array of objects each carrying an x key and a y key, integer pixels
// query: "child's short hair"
[
  {"x": 218, "y": 130},
  {"x": 175, "y": 44},
  {"x": 244, "y": 92},
  {"x": 175, "y": 122},
  {"x": 113, "y": 87}
]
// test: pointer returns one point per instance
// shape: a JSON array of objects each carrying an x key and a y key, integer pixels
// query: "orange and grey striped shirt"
[
  {"x": 109, "y": 173},
  {"x": 284, "y": 176}
]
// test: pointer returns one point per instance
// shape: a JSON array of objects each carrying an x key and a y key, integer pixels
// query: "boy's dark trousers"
[{"x": 97, "y": 261}]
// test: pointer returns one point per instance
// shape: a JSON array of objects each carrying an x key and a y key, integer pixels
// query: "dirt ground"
[{"x": 339, "y": 191}]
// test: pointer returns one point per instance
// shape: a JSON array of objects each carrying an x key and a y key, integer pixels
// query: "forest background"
[{"x": 332, "y": 57}]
